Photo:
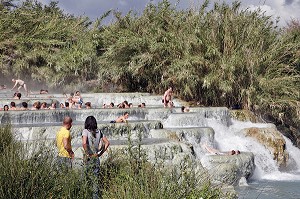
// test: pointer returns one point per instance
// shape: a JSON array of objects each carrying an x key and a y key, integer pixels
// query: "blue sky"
[{"x": 285, "y": 9}]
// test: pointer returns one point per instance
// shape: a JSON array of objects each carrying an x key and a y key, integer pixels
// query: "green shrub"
[
  {"x": 35, "y": 175},
  {"x": 28, "y": 171}
]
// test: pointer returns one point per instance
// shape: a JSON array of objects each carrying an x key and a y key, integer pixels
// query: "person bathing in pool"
[{"x": 122, "y": 118}]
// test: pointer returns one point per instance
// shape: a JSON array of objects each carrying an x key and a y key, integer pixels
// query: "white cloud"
[{"x": 285, "y": 9}]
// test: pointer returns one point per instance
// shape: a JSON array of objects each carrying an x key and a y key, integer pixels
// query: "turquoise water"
[{"x": 267, "y": 189}]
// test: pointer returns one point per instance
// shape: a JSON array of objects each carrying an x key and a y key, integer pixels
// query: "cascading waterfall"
[
  {"x": 294, "y": 154},
  {"x": 229, "y": 138},
  {"x": 226, "y": 135}
]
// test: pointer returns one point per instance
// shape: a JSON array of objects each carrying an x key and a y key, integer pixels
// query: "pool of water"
[{"x": 268, "y": 189}]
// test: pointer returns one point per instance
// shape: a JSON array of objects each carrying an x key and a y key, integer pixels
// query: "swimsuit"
[{"x": 167, "y": 101}]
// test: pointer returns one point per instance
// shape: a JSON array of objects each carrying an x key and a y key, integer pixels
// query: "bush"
[{"x": 33, "y": 174}]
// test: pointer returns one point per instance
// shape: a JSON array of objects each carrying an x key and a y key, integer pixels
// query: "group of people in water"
[
  {"x": 63, "y": 105},
  {"x": 74, "y": 100}
]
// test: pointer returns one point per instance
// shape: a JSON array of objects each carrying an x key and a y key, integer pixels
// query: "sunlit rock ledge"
[
  {"x": 196, "y": 117},
  {"x": 273, "y": 140},
  {"x": 110, "y": 130},
  {"x": 166, "y": 135},
  {"x": 169, "y": 146},
  {"x": 229, "y": 169},
  {"x": 269, "y": 137},
  {"x": 96, "y": 99},
  {"x": 244, "y": 115}
]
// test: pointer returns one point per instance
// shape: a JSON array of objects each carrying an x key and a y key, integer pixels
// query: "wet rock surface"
[
  {"x": 273, "y": 140},
  {"x": 166, "y": 135}
]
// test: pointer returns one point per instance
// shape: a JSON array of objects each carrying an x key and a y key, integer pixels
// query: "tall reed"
[{"x": 124, "y": 174}]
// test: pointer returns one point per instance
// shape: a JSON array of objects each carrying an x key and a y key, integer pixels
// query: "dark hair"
[
  {"x": 37, "y": 105},
  {"x": 88, "y": 103},
  {"x": 112, "y": 104},
  {"x": 126, "y": 113},
  {"x": 13, "y": 104},
  {"x": 24, "y": 104},
  {"x": 19, "y": 95},
  {"x": 182, "y": 109},
  {"x": 90, "y": 123},
  {"x": 67, "y": 104},
  {"x": 121, "y": 105},
  {"x": 5, "y": 106}
]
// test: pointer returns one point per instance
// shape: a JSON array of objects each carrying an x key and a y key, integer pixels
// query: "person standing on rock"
[
  {"x": 19, "y": 83},
  {"x": 167, "y": 98},
  {"x": 63, "y": 143},
  {"x": 94, "y": 144}
]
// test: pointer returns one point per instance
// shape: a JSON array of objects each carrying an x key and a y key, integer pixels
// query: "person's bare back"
[{"x": 122, "y": 118}]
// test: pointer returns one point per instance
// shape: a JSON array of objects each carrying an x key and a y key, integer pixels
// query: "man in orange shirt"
[{"x": 63, "y": 143}]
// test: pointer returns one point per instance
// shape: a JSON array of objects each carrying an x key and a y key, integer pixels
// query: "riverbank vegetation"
[
  {"x": 217, "y": 55},
  {"x": 129, "y": 175}
]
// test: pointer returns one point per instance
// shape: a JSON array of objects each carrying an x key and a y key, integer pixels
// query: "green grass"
[{"x": 124, "y": 174}]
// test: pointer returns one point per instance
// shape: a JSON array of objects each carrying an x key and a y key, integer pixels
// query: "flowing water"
[{"x": 268, "y": 182}]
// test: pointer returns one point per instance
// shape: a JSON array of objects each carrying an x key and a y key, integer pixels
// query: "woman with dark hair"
[
  {"x": 94, "y": 144},
  {"x": 6, "y": 107}
]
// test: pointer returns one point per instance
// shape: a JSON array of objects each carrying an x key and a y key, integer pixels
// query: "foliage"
[
  {"x": 28, "y": 170},
  {"x": 218, "y": 55},
  {"x": 34, "y": 176},
  {"x": 41, "y": 42},
  {"x": 128, "y": 174}
]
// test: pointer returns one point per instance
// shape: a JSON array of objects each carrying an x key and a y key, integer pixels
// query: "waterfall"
[
  {"x": 202, "y": 125},
  {"x": 228, "y": 138}
]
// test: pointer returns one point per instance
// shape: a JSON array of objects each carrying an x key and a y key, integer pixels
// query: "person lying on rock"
[
  {"x": 217, "y": 152},
  {"x": 121, "y": 119},
  {"x": 185, "y": 109}
]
